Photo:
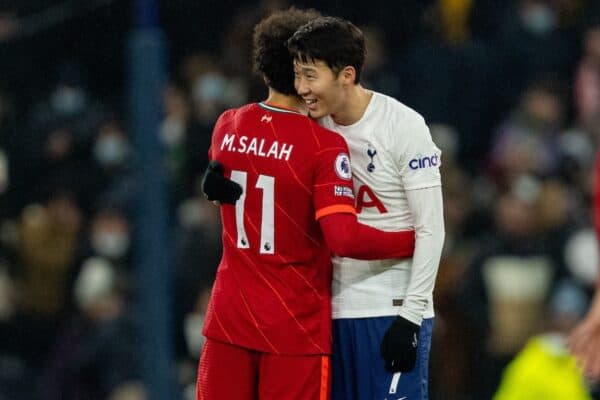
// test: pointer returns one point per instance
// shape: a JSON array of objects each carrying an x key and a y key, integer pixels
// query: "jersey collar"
[{"x": 281, "y": 109}]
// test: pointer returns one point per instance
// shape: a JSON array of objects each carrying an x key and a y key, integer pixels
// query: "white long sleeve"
[{"x": 426, "y": 207}]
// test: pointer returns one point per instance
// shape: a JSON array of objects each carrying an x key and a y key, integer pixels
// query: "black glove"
[
  {"x": 399, "y": 345},
  {"x": 216, "y": 187}
]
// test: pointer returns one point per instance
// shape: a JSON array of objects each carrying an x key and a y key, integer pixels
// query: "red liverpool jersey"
[{"x": 272, "y": 291}]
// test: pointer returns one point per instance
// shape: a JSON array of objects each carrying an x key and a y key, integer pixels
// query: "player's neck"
[
  {"x": 277, "y": 99},
  {"x": 357, "y": 101}
]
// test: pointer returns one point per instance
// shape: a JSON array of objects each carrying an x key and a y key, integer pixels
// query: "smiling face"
[{"x": 323, "y": 91}]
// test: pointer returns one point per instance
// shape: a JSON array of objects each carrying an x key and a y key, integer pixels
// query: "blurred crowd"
[{"x": 511, "y": 92}]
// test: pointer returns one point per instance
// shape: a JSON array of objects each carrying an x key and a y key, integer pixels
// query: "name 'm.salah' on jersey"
[{"x": 273, "y": 287}]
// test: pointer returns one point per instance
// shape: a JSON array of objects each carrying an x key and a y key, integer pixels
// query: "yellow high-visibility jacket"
[{"x": 543, "y": 370}]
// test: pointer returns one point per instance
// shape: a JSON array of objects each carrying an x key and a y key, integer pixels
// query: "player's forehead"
[{"x": 309, "y": 65}]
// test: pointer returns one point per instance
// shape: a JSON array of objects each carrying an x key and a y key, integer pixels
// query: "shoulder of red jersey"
[
  {"x": 226, "y": 116},
  {"x": 229, "y": 116},
  {"x": 232, "y": 112}
]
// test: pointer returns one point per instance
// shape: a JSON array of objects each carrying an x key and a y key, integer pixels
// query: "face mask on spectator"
[
  {"x": 95, "y": 281},
  {"x": 68, "y": 100},
  {"x": 111, "y": 149},
  {"x": 539, "y": 19},
  {"x": 210, "y": 88},
  {"x": 581, "y": 257},
  {"x": 172, "y": 132},
  {"x": 192, "y": 330},
  {"x": 112, "y": 245}
]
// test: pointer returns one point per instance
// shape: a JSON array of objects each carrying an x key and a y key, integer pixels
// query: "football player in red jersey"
[{"x": 268, "y": 324}]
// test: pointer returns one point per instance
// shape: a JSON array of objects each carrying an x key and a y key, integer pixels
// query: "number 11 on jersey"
[{"x": 267, "y": 224}]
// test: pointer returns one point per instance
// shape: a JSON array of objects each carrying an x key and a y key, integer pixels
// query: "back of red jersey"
[{"x": 272, "y": 291}]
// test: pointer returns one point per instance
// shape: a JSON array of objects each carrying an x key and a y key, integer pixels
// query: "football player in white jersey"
[{"x": 382, "y": 310}]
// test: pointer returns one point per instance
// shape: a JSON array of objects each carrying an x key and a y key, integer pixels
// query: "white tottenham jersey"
[{"x": 394, "y": 163}]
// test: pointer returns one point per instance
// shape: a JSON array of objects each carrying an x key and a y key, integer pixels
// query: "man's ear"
[{"x": 348, "y": 75}]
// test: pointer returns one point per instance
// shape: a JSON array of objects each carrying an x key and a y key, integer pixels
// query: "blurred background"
[{"x": 106, "y": 111}]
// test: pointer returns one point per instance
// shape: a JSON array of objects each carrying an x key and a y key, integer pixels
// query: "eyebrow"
[{"x": 304, "y": 68}]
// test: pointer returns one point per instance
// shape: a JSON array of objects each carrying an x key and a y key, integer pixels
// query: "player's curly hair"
[
  {"x": 271, "y": 57},
  {"x": 335, "y": 41}
]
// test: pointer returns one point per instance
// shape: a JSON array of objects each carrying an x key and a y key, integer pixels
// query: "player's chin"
[{"x": 317, "y": 113}]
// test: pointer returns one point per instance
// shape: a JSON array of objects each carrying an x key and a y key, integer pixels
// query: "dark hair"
[
  {"x": 335, "y": 41},
  {"x": 271, "y": 57},
  {"x": 550, "y": 84}
]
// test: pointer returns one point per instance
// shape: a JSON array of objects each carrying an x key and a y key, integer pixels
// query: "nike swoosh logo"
[{"x": 402, "y": 398}]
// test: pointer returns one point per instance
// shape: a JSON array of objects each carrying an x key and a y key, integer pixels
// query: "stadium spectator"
[
  {"x": 49, "y": 234},
  {"x": 94, "y": 355},
  {"x": 586, "y": 83},
  {"x": 110, "y": 180},
  {"x": 110, "y": 236},
  {"x": 533, "y": 41},
  {"x": 197, "y": 253},
  {"x": 510, "y": 272},
  {"x": 528, "y": 142},
  {"x": 544, "y": 368},
  {"x": 462, "y": 70}
]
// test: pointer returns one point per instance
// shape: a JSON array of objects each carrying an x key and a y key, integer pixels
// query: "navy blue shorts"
[{"x": 358, "y": 369}]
